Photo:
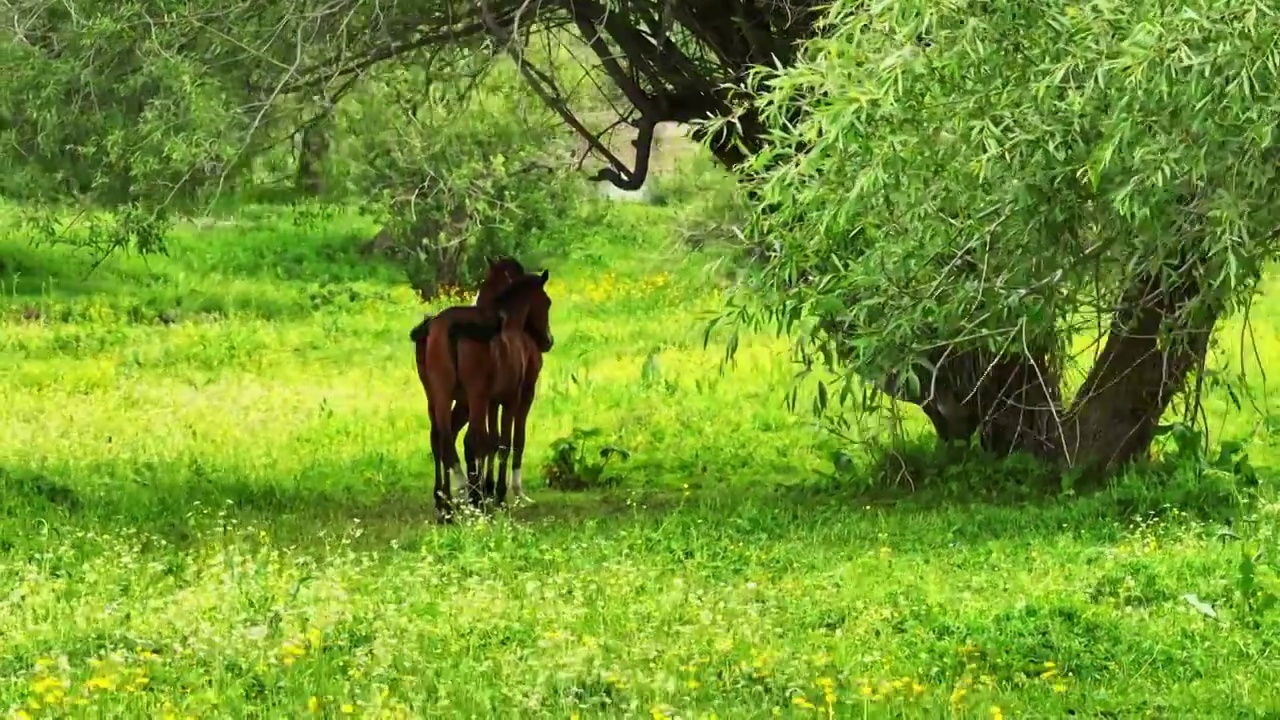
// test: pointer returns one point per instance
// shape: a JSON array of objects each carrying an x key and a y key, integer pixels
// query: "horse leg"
[
  {"x": 437, "y": 492},
  {"x": 517, "y": 444},
  {"x": 459, "y": 420},
  {"x": 489, "y": 484},
  {"x": 504, "y": 451},
  {"x": 444, "y": 454},
  {"x": 478, "y": 439}
]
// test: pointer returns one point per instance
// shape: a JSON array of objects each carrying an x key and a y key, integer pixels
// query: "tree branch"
[{"x": 544, "y": 87}]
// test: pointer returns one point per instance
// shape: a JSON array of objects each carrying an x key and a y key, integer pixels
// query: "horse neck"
[
  {"x": 484, "y": 296},
  {"x": 515, "y": 319},
  {"x": 509, "y": 349}
]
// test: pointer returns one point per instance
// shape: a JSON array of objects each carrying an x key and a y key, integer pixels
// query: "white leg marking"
[
  {"x": 477, "y": 300},
  {"x": 517, "y": 486},
  {"x": 458, "y": 479}
]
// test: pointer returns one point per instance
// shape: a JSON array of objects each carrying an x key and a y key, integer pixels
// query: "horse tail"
[
  {"x": 420, "y": 359},
  {"x": 420, "y": 331}
]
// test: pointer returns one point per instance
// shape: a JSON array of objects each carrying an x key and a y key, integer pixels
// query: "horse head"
[
  {"x": 525, "y": 305},
  {"x": 502, "y": 272}
]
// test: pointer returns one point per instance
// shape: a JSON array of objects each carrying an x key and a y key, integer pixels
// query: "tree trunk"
[
  {"x": 1014, "y": 402},
  {"x": 1138, "y": 373},
  {"x": 312, "y": 153}
]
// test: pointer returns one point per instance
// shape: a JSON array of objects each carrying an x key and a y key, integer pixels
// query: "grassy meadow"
[{"x": 216, "y": 482}]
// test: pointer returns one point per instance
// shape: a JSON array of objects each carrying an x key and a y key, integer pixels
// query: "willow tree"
[{"x": 970, "y": 187}]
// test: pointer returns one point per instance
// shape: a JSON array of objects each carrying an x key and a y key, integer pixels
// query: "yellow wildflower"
[
  {"x": 828, "y": 687},
  {"x": 101, "y": 682},
  {"x": 46, "y": 685},
  {"x": 801, "y": 701},
  {"x": 348, "y": 708},
  {"x": 290, "y": 652},
  {"x": 996, "y": 713},
  {"x": 313, "y": 704},
  {"x": 138, "y": 682}
]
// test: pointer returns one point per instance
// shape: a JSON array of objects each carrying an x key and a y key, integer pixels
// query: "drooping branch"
[
  {"x": 543, "y": 85},
  {"x": 636, "y": 48},
  {"x": 589, "y": 25},
  {"x": 634, "y": 179}
]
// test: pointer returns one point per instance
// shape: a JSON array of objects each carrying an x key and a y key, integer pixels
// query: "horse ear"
[{"x": 545, "y": 275}]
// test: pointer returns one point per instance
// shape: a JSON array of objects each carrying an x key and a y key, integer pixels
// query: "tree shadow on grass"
[{"x": 183, "y": 503}]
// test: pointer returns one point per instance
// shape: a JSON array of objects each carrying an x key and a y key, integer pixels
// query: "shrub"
[{"x": 453, "y": 179}]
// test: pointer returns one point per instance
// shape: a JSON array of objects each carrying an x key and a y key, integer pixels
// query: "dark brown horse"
[
  {"x": 491, "y": 356},
  {"x": 502, "y": 272},
  {"x": 514, "y": 395}
]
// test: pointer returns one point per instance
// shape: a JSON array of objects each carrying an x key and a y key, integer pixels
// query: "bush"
[
  {"x": 570, "y": 467},
  {"x": 454, "y": 179}
]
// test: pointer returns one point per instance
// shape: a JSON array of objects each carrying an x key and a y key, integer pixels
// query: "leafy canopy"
[
  {"x": 455, "y": 176},
  {"x": 986, "y": 173}
]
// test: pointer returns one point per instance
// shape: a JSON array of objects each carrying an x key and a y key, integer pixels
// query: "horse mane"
[
  {"x": 520, "y": 285},
  {"x": 469, "y": 329},
  {"x": 465, "y": 322},
  {"x": 483, "y": 332}
]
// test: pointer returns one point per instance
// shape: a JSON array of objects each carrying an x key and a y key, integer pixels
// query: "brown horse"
[
  {"x": 502, "y": 272},
  {"x": 492, "y": 356},
  {"x": 514, "y": 395}
]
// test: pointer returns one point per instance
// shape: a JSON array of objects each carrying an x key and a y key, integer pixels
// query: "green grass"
[{"x": 234, "y": 503}]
